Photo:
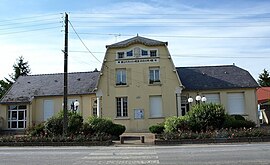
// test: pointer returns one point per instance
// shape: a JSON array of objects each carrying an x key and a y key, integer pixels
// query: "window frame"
[
  {"x": 153, "y": 50},
  {"x": 11, "y": 119},
  {"x": 120, "y": 53},
  {"x": 121, "y": 107},
  {"x": 156, "y": 79},
  {"x": 144, "y": 55},
  {"x": 128, "y": 55},
  {"x": 122, "y": 73},
  {"x": 155, "y": 112}
]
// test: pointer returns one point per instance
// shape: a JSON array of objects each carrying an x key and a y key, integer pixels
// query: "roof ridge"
[
  {"x": 137, "y": 39},
  {"x": 59, "y": 73},
  {"x": 206, "y": 66}
]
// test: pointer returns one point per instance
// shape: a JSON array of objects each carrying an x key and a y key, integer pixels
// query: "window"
[
  {"x": 153, "y": 53},
  {"x": 236, "y": 103},
  {"x": 121, "y": 107},
  {"x": 48, "y": 109},
  {"x": 155, "y": 106},
  {"x": 17, "y": 116},
  {"x": 212, "y": 98},
  {"x": 120, "y": 54},
  {"x": 94, "y": 107},
  {"x": 144, "y": 53},
  {"x": 130, "y": 53},
  {"x": 154, "y": 75},
  {"x": 121, "y": 77}
]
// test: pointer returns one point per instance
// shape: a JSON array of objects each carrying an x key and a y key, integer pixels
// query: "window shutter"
[
  {"x": 236, "y": 103},
  {"x": 155, "y": 106},
  {"x": 212, "y": 98}
]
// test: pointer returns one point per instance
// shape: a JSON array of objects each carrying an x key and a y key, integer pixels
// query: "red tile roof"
[{"x": 263, "y": 94}]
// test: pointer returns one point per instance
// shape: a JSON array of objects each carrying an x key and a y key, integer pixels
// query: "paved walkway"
[{"x": 148, "y": 140}]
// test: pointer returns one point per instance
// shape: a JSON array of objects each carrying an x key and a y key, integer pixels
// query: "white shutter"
[
  {"x": 212, "y": 98},
  {"x": 48, "y": 109},
  {"x": 236, "y": 103},
  {"x": 155, "y": 106}
]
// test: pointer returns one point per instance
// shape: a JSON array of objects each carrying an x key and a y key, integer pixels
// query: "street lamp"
[
  {"x": 190, "y": 100},
  {"x": 204, "y": 99},
  {"x": 76, "y": 105},
  {"x": 198, "y": 99}
]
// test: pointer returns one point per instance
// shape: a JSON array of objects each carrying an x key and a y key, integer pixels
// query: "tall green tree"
[
  {"x": 20, "y": 68},
  {"x": 264, "y": 78}
]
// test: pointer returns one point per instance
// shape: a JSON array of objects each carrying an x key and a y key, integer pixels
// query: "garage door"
[{"x": 236, "y": 103}]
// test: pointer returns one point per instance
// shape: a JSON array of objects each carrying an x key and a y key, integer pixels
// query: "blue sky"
[{"x": 199, "y": 32}]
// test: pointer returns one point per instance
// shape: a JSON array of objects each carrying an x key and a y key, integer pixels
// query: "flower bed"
[
  {"x": 217, "y": 136},
  {"x": 213, "y": 140},
  {"x": 25, "y": 140}
]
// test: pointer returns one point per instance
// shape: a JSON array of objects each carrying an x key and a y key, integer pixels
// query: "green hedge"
[
  {"x": 202, "y": 118},
  {"x": 157, "y": 129}
]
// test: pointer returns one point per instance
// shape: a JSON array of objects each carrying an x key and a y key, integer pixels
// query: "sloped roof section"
[
  {"x": 137, "y": 40},
  {"x": 28, "y": 87},
  {"x": 215, "y": 77},
  {"x": 263, "y": 94}
]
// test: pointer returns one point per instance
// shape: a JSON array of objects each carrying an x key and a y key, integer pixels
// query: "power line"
[
  {"x": 30, "y": 17},
  {"x": 27, "y": 22},
  {"x": 181, "y": 36},
  {"x": 25, "y": 26},
  {"x": 167, "y": 26},
  {"x": 83, "y": 42},
  {"x": 26, "y": 31}
]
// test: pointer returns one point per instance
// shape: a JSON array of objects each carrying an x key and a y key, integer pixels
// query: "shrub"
[
  {"x": 54, "y": 125},
  {"x": 157, "y": 129},
  {"x": 175, "y": 124},
  {"x": 87, "y": 129},
  {"x": 104, "y": 126},
  {"x": 238, "y": 117},
  {"x": 36, "y": 130},
  {"x": 206, "y": 116},
  {"x": 100, "y": 124},
  {"x": 116, "y": 130},
  {"x": 75, "y": 123},
  {"x": 232, "y": 122}
]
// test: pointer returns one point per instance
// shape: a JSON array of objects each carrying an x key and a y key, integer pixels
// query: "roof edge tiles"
[
  {"x": 137, "y": 40},
  {"x": 215, "y": 77}
]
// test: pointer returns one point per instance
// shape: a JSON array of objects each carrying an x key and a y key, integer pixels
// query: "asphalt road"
[{"x": 228, "y": 154}]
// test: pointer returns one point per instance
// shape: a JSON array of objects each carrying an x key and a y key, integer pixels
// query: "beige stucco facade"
[
  {"x": 138, "y": 86},
  {"x": 137, "y": 89},
  {"x": 35, "y": 111},
  {"x": 249, "y": 95}
]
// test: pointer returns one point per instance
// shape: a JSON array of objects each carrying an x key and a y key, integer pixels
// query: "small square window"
[
  {"x": 144, "y": 53},
  {"x": 120, "y": 54},
  {"x": 153, "y": 53},
  {"x": 130, "y": 53}
]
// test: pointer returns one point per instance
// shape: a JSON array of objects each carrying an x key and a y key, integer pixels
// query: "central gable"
[{"x": 137, "y": 40}]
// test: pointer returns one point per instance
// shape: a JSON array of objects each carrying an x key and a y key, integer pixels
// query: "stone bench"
[{"x": 131, "y": 137}]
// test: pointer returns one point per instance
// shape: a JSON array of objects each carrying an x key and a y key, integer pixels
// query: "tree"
[
  {"x": 264, "y": 79},
  {"x": 21, "y": 68}
]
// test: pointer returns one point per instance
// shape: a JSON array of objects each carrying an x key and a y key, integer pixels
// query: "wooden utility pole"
[{"x": 65, "y": 121}]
